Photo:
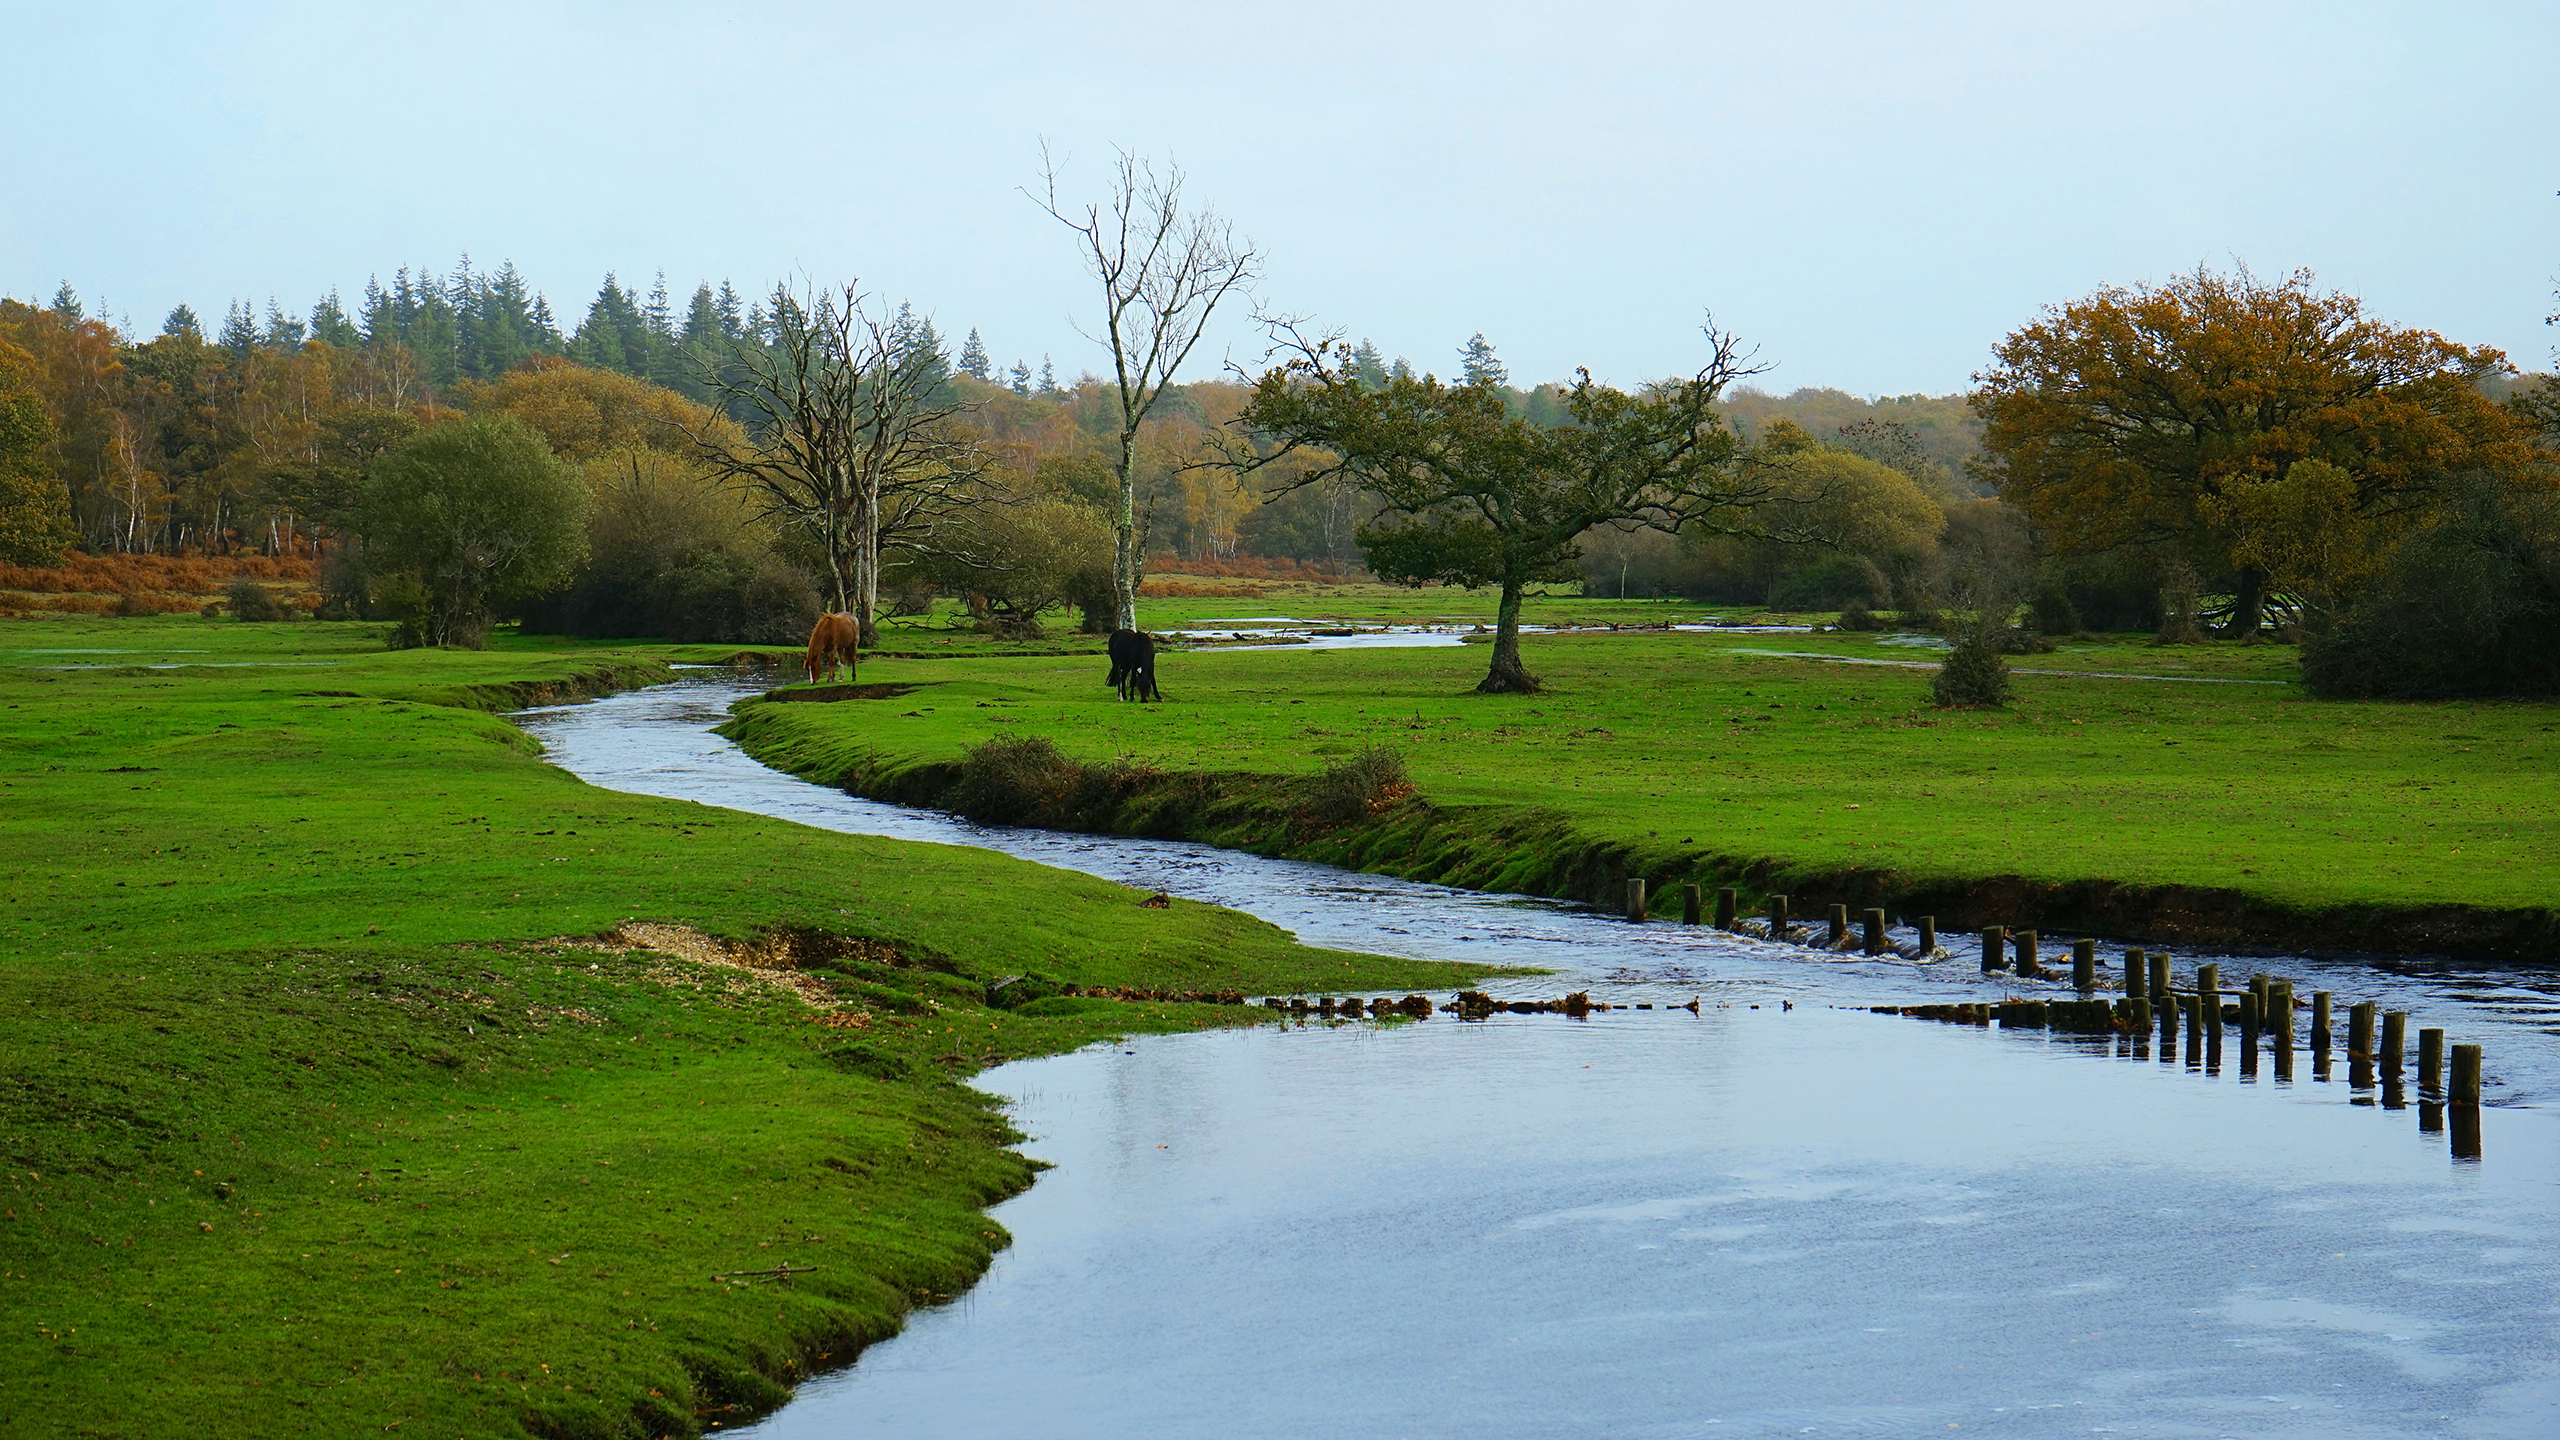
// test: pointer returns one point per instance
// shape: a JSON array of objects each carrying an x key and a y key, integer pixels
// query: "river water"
[{"x": 1777, "y": 1216}]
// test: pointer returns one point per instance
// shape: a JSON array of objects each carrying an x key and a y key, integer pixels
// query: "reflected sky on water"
[{"x": 1806, "y": 1220}]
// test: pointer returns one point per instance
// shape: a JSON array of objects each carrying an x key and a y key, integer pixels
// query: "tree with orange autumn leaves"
[{"x": 2269, "y": 433}]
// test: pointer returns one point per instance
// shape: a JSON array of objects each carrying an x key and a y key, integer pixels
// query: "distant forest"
[{"x": 249, "y": 435}]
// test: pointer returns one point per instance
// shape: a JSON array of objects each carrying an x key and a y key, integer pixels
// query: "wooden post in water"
[
  {"x": 1635, "y": 900},
  {"x": 1873, "y": 921},
  {"x": 2466, "y": 1075},
  {"x": 2159, "y": 974},
  {"x": 2249, "y": 1016},
  {"x": 2168, "y": 1023},
  {"x": 1928, "y": 936},
  {"x": 2320, "y": 1022},
  {"x": 1728, "y": 906},
  {"x": 1777, "y": 917},
  {"x": 2137, "y": 1019},
  {"x": 2084, "y": 964},
  {"x": 1839, "y": 935},
  {"x": 2431, "y": 1061},
  {"x": 2195, "y": 1030},
  {"x": 1992, "y": 935},
  {"x": 1689, "y": 905},
  {"x": 2360, "y": 1031},
  {"x": 2023, "y": 943},
  {"x": 2395, "y": 1044},
  {"x": 2279, "y": 1012},
  {"x": 2136, "y": 982}
]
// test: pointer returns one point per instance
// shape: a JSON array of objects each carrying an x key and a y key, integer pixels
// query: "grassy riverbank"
[
  {"x": 2173, "y": 805},
  {"x": 325, "y": 1115}
]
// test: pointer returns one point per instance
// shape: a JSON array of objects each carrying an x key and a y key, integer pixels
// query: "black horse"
[{"x": 1133, "y": 665}]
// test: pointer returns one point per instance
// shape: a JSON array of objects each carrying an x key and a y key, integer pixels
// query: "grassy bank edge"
[
  {"x": 87, "y": 1035},
  {"x": 1545, "y": 851}
]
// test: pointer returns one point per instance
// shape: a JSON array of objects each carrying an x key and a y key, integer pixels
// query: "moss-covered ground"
[{"x": 322, "y": 1113}]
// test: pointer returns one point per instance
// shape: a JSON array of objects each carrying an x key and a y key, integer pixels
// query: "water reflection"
[{"x": 1740, "y": 1221}]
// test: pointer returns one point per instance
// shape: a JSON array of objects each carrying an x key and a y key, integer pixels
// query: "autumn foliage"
[{"x": 2183, "y": 417}]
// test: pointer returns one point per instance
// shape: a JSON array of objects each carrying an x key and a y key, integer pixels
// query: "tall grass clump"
[
  {"x": 1359, "y": 786},
  {"x": 1009, "y": 780}
]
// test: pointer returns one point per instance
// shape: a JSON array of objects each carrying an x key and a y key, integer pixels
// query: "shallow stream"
[{"x": 1771, "y": 1217}]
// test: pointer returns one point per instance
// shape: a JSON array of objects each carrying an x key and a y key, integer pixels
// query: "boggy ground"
[
  {"x": 326, "y": 1110},
  {"x": 2173, "y": 808}
]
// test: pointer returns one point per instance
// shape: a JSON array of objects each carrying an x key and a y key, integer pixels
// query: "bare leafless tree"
[
  {"x": 1163, "y": 272},
  {"x": 849, "y": 437}
]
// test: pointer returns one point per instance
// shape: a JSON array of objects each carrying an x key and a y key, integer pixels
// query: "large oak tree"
[
  {"x": 2173, "y": 417},
  {"x": 1471, "y": 494}
]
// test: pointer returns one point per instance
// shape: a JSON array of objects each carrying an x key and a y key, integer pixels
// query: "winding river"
[{"x": 1779, "y": 1215}]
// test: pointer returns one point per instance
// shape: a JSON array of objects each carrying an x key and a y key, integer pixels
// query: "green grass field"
[
  {"x": 323, "y": 1115},
  {"x": 1786, "y": 748}
]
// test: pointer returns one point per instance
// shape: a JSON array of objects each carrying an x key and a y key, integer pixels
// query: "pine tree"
[
  {"x": 1479, "y": 366},
  {"x": 67, "y": 304},
  {"x": 330, "y": 325},
  {"x": 239, "y": 330},
  {"x": 182, "y": 321},
  {"x": 1048, "y": 377},
  {"x": 1368, "y": 366},
  {"x": 660, "y": 314},
  {"x": 1021, "y": 377},
  {"x": 605, "y": 338},
  {"x": 380, "y": 327},
  {"x": 701, "y": 317},
  {"x": 973, "y": 357},
  {"x": 733, "y": 322},
  {"x": 283, "y": 332}
]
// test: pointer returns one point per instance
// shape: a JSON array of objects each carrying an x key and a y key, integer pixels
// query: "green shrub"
[
  {"x": 249, "y": 600},
  {"x": 1973, "y": 677},
  {"x": 2470, "y": 606},
  {"x": 1856, "y": 616}
]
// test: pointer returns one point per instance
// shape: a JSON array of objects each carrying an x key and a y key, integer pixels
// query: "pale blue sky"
[{"x": 1874, "y": 193}]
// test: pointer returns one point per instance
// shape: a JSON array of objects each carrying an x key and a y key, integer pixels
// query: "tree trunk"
[
  {"x": 1508, "y": 676},
  {"x": 2248, "y": 606},
  {"x": 1124, "y": 536},
  {"x": 866, "y": 600}
]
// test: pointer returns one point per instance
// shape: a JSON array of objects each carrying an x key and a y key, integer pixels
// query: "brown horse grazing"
[{"x": 833, "y": 641}]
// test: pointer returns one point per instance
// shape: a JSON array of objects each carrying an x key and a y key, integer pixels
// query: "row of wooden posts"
[
  {"x": 2267, "y": 1006},
  {"x": 1870, "y": 936}
]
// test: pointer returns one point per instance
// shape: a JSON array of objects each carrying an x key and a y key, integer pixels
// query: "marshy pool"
[{"x": 1790, "y": 1219}]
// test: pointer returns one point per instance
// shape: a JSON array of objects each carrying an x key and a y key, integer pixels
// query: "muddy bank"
[{"x": 1379, "y": 825}]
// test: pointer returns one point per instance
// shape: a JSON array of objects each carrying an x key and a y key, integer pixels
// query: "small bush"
[
  {"x": 2010, "y": 640},
  {"x": 1856, "y": 616},
  {"x": 250, "y": 600},
  {"x": 134, "y": 602},
  {"x": 1974, "y": 677},
  {"x": 1010, "y": 779},
  {"x": 1358, "y": 787}
]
